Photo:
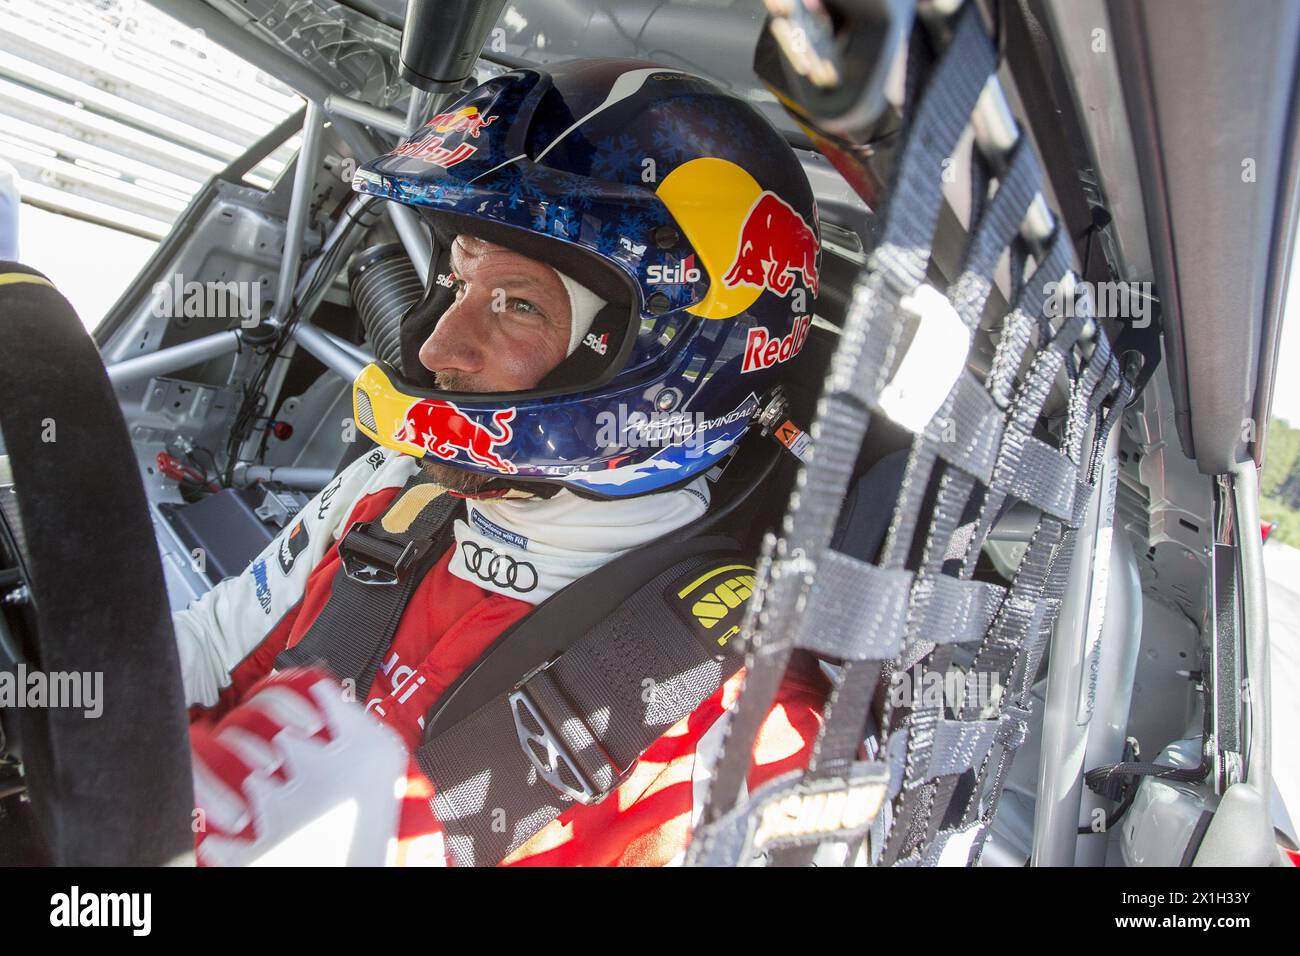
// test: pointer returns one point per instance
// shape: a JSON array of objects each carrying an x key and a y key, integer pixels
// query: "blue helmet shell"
[{"x": 621, "y": 173}]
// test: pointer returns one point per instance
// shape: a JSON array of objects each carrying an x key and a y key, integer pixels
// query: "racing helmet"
[{"x": 677, "y": 204}]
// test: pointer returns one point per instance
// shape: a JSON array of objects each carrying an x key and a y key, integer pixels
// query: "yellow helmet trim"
[{"x": 379, "y": 408}]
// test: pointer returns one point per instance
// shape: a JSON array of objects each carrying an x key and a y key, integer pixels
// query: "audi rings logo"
[{"x": 499, "y": 569}]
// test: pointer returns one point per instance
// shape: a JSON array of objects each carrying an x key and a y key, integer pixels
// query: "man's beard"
[
  {"x": 449, "y": 476},
  {"x": 455, "y": 479}
]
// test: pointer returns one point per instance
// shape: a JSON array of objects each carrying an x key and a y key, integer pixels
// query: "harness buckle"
[
  {"x": 551, "y": 757},
  {"x": 373, "y": 560}
]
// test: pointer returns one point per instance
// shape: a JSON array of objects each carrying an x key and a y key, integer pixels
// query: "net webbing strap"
[
  {"x": 855, "y": 611},
  {"x": 1017, "y": 661},
  {"x": 869, "y": 347},
  {"x": 977, "y": 814},
  {"x": 942, "y": 116},
  {"x": 979, "y": 452},
  {"x": 1029, "y": 470}
]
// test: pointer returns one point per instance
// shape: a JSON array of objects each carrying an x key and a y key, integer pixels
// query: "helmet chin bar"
[{"x": 381, "y": 401}]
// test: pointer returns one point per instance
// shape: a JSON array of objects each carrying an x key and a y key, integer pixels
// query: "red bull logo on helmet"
[
  {"x": 464, "y": 120},
  {"x": 747, "y": 239},
  {"x": 433, "y": 151},
  {"x": 444, "y": 430},
  {"x": 776, "y": 244},
  {"x": 762, "y": 350}
]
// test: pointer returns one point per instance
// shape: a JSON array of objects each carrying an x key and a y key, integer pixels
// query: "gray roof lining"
[{"x": 1219, "y": 82}]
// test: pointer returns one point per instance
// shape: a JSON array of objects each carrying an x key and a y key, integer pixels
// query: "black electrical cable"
[
  {"x": 212, "y": 459},
  {"x": 1117, "y": 814},
  {"x": 254, "y": 400}
]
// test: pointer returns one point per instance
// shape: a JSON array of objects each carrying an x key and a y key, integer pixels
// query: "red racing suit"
[{"x": 230, "y": 637}]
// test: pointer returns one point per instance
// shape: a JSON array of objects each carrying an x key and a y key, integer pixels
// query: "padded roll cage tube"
[
  {"x": 304, "y": 180},
  {"x": 1064, "y": 739}
]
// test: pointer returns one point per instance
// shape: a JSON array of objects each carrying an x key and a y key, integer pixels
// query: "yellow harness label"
[{"x": 712, "y": 603}]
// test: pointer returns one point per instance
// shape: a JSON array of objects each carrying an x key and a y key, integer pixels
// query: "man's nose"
[{"x": 456, "y": 345}]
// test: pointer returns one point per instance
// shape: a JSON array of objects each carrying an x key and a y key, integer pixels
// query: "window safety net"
[{"x": 889, "y": 784}]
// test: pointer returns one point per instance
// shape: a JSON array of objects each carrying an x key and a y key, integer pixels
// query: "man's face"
[{"x": 508, "y": 327}]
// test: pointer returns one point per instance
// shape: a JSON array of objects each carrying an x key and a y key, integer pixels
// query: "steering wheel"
[{"x": 83, "y": 603}]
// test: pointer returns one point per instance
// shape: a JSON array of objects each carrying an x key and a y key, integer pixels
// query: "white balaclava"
[{"x": 583, "y": 306}]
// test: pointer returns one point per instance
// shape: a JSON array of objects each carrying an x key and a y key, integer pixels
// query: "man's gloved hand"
[{"x": 296, "y": 775}]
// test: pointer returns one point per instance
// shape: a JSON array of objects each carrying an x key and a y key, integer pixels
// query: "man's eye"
[{"x": 523, "y": 306}]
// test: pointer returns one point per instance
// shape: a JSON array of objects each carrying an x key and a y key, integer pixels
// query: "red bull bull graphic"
[
  {"x": 464, "y": 120},
  {"x": 776, "y": 244},
  {"x": 745, "y": 238},
  {"x": 764, "y": 351},
  {"x": 444, "y": 430}
]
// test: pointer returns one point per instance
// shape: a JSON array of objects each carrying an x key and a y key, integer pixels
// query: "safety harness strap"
[
  {"x": 381, "y": 564},
  {"x": 572, "y": 729}
]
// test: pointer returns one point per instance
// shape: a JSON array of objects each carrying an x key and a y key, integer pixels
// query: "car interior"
[{"x": 208, "y": 435}]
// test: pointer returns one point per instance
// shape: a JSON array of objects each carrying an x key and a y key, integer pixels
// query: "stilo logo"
[
  {"x": 763, "y": 351},
  {"x": 597, "y": 343},
  {"x": 446, "y": 279},
  {"x": 775, "y": 245},
  {"x": 684, "y": 271},
  {"x": 443, "y": 429}
]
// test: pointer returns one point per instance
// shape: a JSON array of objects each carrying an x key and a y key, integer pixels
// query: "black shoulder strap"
[
  {"x": 381, "y": 564},
  {"x": 563, "y": 705}
]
